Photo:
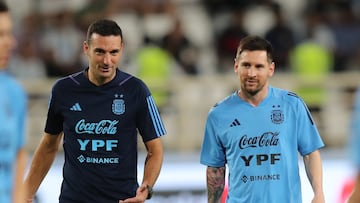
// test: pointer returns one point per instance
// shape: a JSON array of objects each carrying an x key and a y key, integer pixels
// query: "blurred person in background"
[
  {"x": 344, "y": 26},
  {"x": 147, "y": 7},
  {"x": 25, "y": 63},
  {"x": 258, "y": 132},
  {"x": 60, "y": 44},
  {"x": 354, "y": 145},
  {"x": 154, "y": 64},
  {"x": 180, "y": 47},
  {"x": 97, "y": 114},
  {"x": 281, "y": 37},
  {"x": 228, "y": 40},
  {"x": 12, "y": 119}
]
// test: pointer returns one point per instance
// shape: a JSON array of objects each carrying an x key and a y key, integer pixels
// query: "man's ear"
[
  {"x": 235, "y": 68},
  {"x": 85, "y": 47}
]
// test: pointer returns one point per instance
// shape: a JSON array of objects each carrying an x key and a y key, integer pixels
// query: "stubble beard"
[{"x": 252, "y": 90}]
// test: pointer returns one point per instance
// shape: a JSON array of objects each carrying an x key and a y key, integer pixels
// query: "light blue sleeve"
[
  {"x": 22, "y": 117},
  {"x": 212, "y": 152},
  {"x": 354, "y": 140},
  {"x": 308, "y": 135},
  {"x": 19, "y": 101}
]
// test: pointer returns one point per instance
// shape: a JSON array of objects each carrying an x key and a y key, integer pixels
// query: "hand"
[
  {"x": 141, "y": 195},
  {"x": 353, "y": 198},
  {"x": 29, "y": 200},
  {"x": 318, "y": 199}
]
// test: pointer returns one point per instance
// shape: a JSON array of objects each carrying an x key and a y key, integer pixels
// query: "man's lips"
[
  {"x": 251, "y": 82},
  {"x": 104, "y": 68}
]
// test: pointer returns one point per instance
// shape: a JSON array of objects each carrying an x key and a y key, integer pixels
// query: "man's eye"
[{"x": 114, "y": 53}]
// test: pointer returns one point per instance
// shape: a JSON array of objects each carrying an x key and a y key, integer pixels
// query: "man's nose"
[
  {"x": 251, "y": 72},
  {"x": 107, "y": 59}
]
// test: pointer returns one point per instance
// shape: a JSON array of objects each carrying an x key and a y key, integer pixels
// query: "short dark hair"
[
  {"x": 104, "y": 27},
  {"x": 255, "y": 43},
  {"x": 3, "y": 7}
]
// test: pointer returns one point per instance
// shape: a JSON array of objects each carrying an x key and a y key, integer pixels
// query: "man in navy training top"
[
  {"x": 97, "y": 113},
  {"x": 258, "y": 132}
]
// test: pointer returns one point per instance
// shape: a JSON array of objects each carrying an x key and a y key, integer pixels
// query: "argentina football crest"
[
  {"x": 277, "y": 116},
  {"x": 118, "y": 106}
]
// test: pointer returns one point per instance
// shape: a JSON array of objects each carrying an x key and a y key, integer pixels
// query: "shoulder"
[
  {"x": 13, "y": 87},
  {"x": 223, "y": 105},
  {"x": 129, "y": 79},
  {"x": 68, "y": 81},
  {"x": 132, "y": 82},
  {"x": 286, "y": 95}
]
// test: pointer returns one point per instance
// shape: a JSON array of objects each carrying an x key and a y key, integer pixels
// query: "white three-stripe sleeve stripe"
[{"x": 155, "y": 117}]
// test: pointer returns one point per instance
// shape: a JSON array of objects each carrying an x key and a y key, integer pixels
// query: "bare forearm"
[
  {"x": 355, "y": 195},
  {"x": 153, "y": 163},
  {"x": 215, "y": 178},
  {"x": 152, "y": 169},
  {"x": 313, "y": 168}
]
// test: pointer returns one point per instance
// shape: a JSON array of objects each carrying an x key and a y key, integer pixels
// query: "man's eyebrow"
[
  {"x": 99, "y": 50},
  {"x": 102, "y": 50},
  {"x": 115, "y": 51}
]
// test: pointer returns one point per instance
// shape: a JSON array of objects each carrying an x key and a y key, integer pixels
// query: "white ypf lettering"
[{"x": 109, "y": 145}]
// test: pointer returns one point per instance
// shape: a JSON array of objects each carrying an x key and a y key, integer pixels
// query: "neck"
[
  {"x": 253, "y": 99},
  {"x": 96, "y": 80}
]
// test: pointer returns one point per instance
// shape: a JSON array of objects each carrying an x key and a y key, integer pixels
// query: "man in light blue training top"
[
  {"x": 12, "y": 119},
  {"x": 258, "y": 132}
]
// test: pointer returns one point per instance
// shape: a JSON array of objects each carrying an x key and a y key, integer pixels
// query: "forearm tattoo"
[{"x": 215, "y": 179}]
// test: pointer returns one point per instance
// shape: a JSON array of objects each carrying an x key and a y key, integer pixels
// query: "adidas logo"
[
  {"x": 76, "y": 107},
  {"x": 235, "y": 123}
]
